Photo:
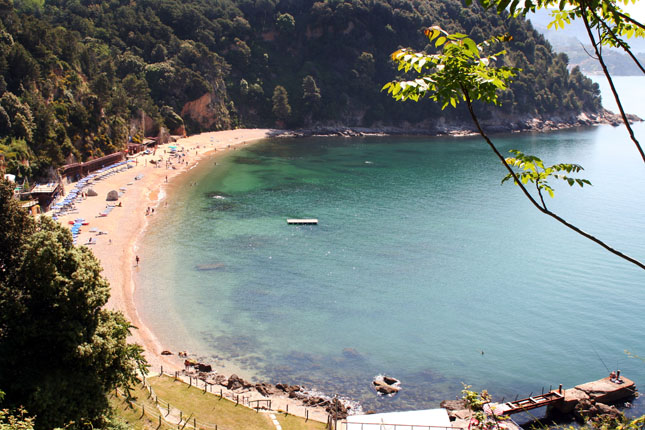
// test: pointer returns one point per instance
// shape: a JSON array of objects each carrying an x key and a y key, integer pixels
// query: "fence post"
[
  {"x": 220, "y": 394},
  {"x": 306, "y": 415},
  {"x": 195, "y": 423},
  {"x": 204, "y": 386},
  {"x": 161, "y": 372},
  {"x": 181, "y": 416},
  {"x": 237, "y": 400},
  {"x": 168, "y": 409},
  {"x": 190, "y": 381},
  {"x": 143, "y": 413},
  {"x": 159, "y": 421}
]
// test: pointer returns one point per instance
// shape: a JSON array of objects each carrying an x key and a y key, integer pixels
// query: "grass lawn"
[
  {"x": 290, "y": 422},
  {"x": 207, "y": 407},
  {"x": 133, "y": 415}
]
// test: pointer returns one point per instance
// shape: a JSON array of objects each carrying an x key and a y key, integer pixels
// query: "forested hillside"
[{"x": 76, "y": 75}]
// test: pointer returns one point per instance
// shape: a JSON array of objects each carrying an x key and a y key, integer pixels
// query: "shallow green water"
[{"x": 420, "y": 263}]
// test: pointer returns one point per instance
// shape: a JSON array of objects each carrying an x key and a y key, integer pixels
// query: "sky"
[{"x": 637, "y": 11}]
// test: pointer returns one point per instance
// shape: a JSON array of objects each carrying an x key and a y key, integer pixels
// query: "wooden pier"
[
  {"x": 606, "y": 390},
  {"x": 302, "y": 221},
  {"x": 526, "y": 404}
]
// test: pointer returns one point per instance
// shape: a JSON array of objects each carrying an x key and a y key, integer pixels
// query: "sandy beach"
[{"x": 126, "y": 222}]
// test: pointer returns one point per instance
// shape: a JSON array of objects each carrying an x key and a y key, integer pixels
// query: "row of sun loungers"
[{"x": 66, "y": 206}]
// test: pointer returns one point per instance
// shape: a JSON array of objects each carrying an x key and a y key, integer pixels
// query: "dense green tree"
[
  {"x": 310, "y": 91},
  {"x": 14, "y": 420},
  {"x": 281, "y": 108},
  {"x": 82, "y": 67},
  {"x": 171, "y": 119},
  {"x": 61, "y": 353},
  {"x": 285, "y": 24},
  {"x": 14, "y": 228}
]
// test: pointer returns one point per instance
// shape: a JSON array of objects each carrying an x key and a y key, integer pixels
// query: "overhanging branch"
[{"x": 528, "y": 195}]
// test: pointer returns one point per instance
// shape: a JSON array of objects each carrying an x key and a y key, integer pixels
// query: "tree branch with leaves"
[
  {"x": 611, "y": 23},
  {"x": 461, "y": 71}
]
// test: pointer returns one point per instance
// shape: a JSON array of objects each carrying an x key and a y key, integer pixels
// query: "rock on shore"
[{"x": 497, "y": 123}]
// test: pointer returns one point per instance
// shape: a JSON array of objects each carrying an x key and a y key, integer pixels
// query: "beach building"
[
  {"x": 428, "y": 419},
  {"x": 135, "y": 148},
  {"x": 75, "y": 171},
  {"x": 45, "y": 194},
  {"x": 32, "y": 207}
]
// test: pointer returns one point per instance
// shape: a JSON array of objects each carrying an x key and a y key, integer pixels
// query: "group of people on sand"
[{"x": 150, "y": 211}]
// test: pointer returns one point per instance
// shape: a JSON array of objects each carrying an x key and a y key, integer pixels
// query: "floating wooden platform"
[{"x": 302, "y": 221}]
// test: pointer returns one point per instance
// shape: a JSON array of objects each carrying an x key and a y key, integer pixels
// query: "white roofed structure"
[{"x": 428, "y": 419}]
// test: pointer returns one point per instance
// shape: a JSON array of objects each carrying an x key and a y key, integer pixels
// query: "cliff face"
[{"x": 208, "y": 111}]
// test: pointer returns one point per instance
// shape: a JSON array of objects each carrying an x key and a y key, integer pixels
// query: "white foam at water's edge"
[{"x": 354, "y": 407}]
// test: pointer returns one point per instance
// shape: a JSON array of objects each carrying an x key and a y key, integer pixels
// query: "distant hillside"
[
  {"x": 573, "y": 41},
  {"x": 78, "y": 75}
]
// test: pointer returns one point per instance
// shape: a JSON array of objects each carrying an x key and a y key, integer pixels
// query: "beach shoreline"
[
  {"x": 116, "y": 238},
  {"x": 126, "y": 225}
]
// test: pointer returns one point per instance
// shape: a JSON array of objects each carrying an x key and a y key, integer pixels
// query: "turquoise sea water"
[{"x": 420, "y": 263}]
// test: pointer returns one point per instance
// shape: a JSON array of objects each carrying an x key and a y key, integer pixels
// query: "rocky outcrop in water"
[{"x": 386, "y": 385}]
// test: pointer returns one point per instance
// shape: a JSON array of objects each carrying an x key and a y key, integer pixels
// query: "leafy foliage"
[
  {"x": 60, "y": 351},
  {"x": 482, "y": 418},
  {"x": 455, "y": 74},
  {"x": 281, "y": 108},
  {"x": 613, "y": 24},
  {"x": 605, "y": 24},
  {"x": 532, "y": 170}
]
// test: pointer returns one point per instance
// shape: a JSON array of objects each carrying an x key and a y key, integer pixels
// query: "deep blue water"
[{"x": 421, "y": 262}]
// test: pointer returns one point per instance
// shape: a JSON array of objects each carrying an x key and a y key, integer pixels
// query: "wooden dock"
[
  {"x": 606, "y": 390},
  {"x": 302, "y": 221},
  {"x": 532, "y": 402}
]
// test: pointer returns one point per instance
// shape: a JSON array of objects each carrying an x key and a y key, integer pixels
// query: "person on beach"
[{"x": 137, "y": 260}]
